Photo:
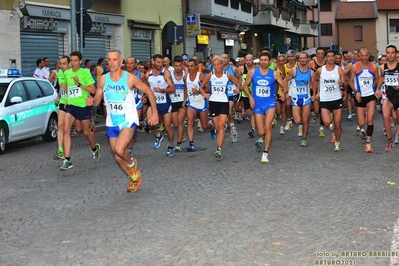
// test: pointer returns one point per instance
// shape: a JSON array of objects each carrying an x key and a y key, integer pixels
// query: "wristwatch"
[{"x": 79, "y": 85}]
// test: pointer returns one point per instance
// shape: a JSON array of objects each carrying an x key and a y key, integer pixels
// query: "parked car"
[{"x": 27, "y": 108}]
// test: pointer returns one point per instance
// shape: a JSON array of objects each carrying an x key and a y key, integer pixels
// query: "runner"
[
  {"x": 232, "y": 94},
  {"x": 117, "y": 87},
  {"x": 390, "y": 78},
  {"x": 301, "y": 77},
  {"x": 80, "y": 84},
  {"x": 161, "y": 84},
  {"x": 218, "y": 99},
  {"x": 249, "y": 65},
  {"x": 314, "y": 65},
  {"x": 61, "y": 101},
  {"x": 364, "y": 77},
  {"x": 263, "y": 101},
  {"x": 328, "y": 90},
  {"x": 281, "y": 106},
  {"x": 291, "y": 64},
  {"x": 195, "y": 102},
  {"x": 177, "y": 98}
]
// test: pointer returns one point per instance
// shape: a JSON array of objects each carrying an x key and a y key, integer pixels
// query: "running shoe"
[
  {"x": 274, "y": 122},
  {"x": 349, "y": 117},
  {"x": 59, "y": 155},
  {"x": 303, "y": 143},
  {"x": 170, "y": 151},
  {"x": 288, "y": 125},
  {"x": 134, "y": 183},
  {"x": 184, "y": 138},
  {"x": 66, "y": 165},
  {"x": 392, "y": 122},
  {"x": 191, "y": 148},
  {"x": 264, "y": 158},
  {"x": 178, "y": 147},
  {"x": 259, "y": 143},
  {"x": 96, "y": 153},
  {"x": 92, "y": 127},
  {"x": 133, "y": 169},
  {"x": 158, "y": 141},
  {"x": 145, "y": 126},
  {"x": 214, "y": 133},
  {"x": 385, "y": 133},
  {"x": 282, "y": 132},
  {"x": 251, "y": 133},
  {"x": 337, "y": 146},
  {"x": 234, "y": 133},
  {"x": 129, "y": 149},
  {"x": 321, "y": 132},
  {"x": 362, "y": 134},
  {"x": 331, "y": 127},
  {"x": 396, "y": 139},
  {"x": 199, "y": 125},
  {"x": 389, "y": 146},
  {"x": 218, "y": 153},
  {"x": 300, "y": 131},
  {"x": 368, "y": 148},
  {"x": 161, "y": 127},
  {"x": 357, "y": 128},
  {"x": 314, "y": 119},
  {"x": 333, "y": 139}
]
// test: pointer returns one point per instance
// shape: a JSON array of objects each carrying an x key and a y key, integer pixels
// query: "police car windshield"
[{"x": 3, "y": 88}]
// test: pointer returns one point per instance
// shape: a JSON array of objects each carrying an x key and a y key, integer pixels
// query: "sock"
[
  {"x": 266, "y": 152},
  {"x": 179, "y": 143},
  {"x": 60, "y": 149},
  {"x": 131, "y": 165},
  {"x": 68, "y": 158},
  {"x": 94, "y": 149},
  {"x": 370, "y": 129},
  {"x": 191, "y": 142}
]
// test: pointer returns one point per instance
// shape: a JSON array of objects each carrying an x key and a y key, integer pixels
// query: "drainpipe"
[
  {"x": 387, "y": 19},
  {"x": 319, "y": 24},
  {"x": 184, "y": 9}
]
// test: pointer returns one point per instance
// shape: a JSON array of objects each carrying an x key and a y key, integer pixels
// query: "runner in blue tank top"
[
  {"x": 263, "y": 100},
  {"x": 301, "y": 77},
  {"x": 139, "y": 97},
  {"x": 117, "y": 87}
]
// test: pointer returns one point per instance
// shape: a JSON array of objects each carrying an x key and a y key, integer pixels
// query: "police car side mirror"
[{"x": 15, "y": 100}]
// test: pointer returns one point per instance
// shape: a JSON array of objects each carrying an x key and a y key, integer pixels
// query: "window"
[
  {"x": 222, "y": 2},
  {"x": 326, "y": 29},
  {"x": 394, "y": 26},
  {"x": 3, "y": 88},
  {"x": 34, "y": 91},
  {"x": 358, "y": 33},
  {"x": 325, "y": 5},
  {"x": 235, "y": 4},
  {"x": 46, "y": 88},
  {"x": 17, "y": 89},
  {"x": 246, "y": 6}
]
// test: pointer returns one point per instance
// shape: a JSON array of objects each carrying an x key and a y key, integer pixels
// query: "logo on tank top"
[
  {"x": 263, "y": 82},
  {"x": 117, "y": 88}
]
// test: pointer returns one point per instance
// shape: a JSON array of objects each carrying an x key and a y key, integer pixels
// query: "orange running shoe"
[
  {"x": 333, "y": 140},
  {"x": 134, "y": 169},
  {"x": 133, "y": 186},
  {"x": 368, "y": 148}
]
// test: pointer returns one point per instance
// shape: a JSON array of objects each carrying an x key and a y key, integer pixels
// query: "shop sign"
[
  {"x": 203, "y": 39},
  {"x": 141, "y": 34},
  {"x": 44, "y": 24}
]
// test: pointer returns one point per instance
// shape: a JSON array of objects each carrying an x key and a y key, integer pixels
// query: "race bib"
[
  {"x": 218, "y": 90},
  {"x": 116, "y": 107},
  {"x": 178, "y": 96},
  {"x": 365, "y": 82},
  {"x": 74, "y": 92},
  {"x": 263, "y": 91},
  {"x": 160, "y": 98},
  {"x": 230, "y": 89},
  {"x": 302, "y": 90},
  {"x": 63, "y": 93},
  {"x": 330, "y": 88},
  {"x": 391, "y": 80}
]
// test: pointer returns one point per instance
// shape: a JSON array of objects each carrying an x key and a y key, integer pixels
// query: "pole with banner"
[{"x": 193, "y": 24}]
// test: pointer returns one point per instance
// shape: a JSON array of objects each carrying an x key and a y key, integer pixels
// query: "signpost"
[{"x": 193, "y": 24}]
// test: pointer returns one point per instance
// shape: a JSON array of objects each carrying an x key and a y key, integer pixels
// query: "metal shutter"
[
  {"x": 142, "y": 50},
  {"x": 38, "y": 45},
  {"x": 95, "y": 47}
]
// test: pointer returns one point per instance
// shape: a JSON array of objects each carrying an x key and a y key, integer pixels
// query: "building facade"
[
  {"x": 356, "y": 23},
  {"x": 387, "y": 24},
  {"x": 43, "y": 29}
]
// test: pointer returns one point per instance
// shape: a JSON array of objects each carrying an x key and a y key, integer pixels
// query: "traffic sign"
[{"x": 193, "y": 24}]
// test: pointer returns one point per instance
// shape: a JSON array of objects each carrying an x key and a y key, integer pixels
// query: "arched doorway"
[{"x": 168, "y": 39}]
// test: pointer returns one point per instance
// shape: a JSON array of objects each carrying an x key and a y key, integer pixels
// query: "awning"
[
  {"x": 276, "y": 39},
  {"x": 143, "y": 24},
  {"x": 295, "y": 40},
  {"x": 298, "y": 5}
]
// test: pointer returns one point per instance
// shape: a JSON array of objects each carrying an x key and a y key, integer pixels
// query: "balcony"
[
  {"x": 227, "y": 11},
  {"x": 309, "y": 2},
  {"x": 272, "y": 17},
  {"x": 305, "y": 29}
]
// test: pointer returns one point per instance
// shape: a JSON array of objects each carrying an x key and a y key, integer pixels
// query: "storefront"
[
  {"x": 42, "y": 35},
  {"x": 142, "y": 44}
]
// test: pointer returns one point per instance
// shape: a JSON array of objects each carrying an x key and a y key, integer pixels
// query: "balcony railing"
[
  {"x": 296, "y": 22},
  {"x": 313, "y": 24},
  {"x": 285, "y": 15}
]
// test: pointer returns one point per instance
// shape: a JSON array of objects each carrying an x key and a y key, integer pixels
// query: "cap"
[
  {"x": 257, "y": 60},
  {"x": 184, "y": 56},
  {"x": 237, "y": 59}
]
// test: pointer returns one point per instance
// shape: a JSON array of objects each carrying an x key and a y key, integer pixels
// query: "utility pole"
[
  {"x": 319, "y": 23},
  {"x": 72, "y": 9}
]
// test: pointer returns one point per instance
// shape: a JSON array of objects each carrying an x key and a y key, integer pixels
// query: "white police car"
[{"x": 27, "y": 108}]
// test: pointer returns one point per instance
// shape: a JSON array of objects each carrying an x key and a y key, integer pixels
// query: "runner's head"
[
  {"x": 281, "y": 60},
  {"x": 264, "y": 60},
  {"x": 157, "y": 61},
  {"x": 382, "y": 59},
  {"x": 303, "y": 58},
  {"x": 320, "y": 53},
  {"x": 291, "y": 57},
  {"x": 364, "y": 55},
  {"x": 76, "y": 59},
  {"x": 226, "y": 59},
  {"x": 249, "y": 60},
  {"x": 178, "y": 64},
  {"x": 64, "y": 62},
  {"x": 115, "y": 60},
  {"x": 131, "y": 64},
  {"x": 338, "y": 59},
  {"x": 391, "y": 51},
  {"x": 330, "y": 57},
  {"x": 218, "y": 62},
  {"x": 192, "y": 66}
]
